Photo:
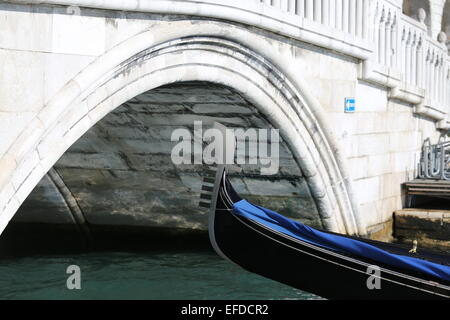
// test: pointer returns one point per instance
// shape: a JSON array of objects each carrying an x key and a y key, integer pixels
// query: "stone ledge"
[{"x": 422, "y": 223}]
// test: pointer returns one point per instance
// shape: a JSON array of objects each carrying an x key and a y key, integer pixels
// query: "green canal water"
[{"x": 198, "y": 274}]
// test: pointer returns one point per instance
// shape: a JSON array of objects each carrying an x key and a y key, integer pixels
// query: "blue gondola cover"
[{"x": 337, "y": 243}]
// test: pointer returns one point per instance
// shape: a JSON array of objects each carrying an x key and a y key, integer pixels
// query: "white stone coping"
[
  {"x": 256, "y": 13},
  {"x": 250, "y": 12}
]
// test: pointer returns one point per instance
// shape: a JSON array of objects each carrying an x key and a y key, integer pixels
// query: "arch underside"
[
  {"x": 120, "y": 172},
  {"x": 214, "y": 60}
]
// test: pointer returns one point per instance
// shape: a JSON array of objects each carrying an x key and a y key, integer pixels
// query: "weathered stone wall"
[
  {"x": 121, "y": 173},
  {"x": 423, "y": 223},
  {"x": 431, "y": 228}
]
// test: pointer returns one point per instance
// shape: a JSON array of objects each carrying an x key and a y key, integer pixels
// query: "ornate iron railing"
[{"x": 435, "y": 160}]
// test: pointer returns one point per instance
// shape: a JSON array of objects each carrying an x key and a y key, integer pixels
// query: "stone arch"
[{"x": 151, "y": 59}]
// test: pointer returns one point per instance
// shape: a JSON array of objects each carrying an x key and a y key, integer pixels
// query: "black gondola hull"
[{"x": 308, "y": 267}]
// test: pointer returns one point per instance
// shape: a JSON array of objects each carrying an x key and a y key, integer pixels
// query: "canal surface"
[{"x": 197, "y": 274}]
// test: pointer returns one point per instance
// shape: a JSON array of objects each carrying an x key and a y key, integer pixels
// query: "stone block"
[
  {"x": 370, "y": 98},
  {"x": 369, "y": 213},
  {"x": 391, "y": 184},
  {"x": 78, "y": 34},
  {"x": 11, "y": 124},
  {"x": 98, "y": 160},
  {"x": 358, "y": 167},
  {"x": 61, "y": 68},
  {"x": 403, "y": 141},
  {"x": 410, "y": 223},
  {"x": 404, "y": 161},
  {"x": 281, "y": 187},
  {"x": 18, "y": 21},
  {"x": 369, "y": 122},
  {"x": 400, "y": 121},
  {"x": 26, "y": 167},
  {"x": 22, "y": 80},
  {"x": 372, "y": 144},
  {"x": 334, "y": 68},
  {"x": 29, "y": 183},
  {"x": 367, "y": 190},
  {"x": 120, "y": 26},
  {"x": 45, "y": 205},
  {"x": 379, "y": 164}
]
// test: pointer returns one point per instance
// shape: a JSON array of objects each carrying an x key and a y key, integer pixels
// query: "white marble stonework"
[{"x": 65, "y": 65}]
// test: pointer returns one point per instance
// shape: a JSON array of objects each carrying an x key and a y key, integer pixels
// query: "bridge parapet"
[
  {"x": 403, "y": 57},
  {"x": 395, "y": 50}
]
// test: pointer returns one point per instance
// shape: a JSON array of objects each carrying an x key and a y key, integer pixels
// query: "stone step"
[{"x": 422, "y": 223}]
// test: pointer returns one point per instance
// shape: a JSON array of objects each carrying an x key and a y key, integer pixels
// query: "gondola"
[{"x": 327, "y": 264}]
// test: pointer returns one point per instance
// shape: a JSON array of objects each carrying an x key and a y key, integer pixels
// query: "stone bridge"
[{"x": 90, "y": 91}]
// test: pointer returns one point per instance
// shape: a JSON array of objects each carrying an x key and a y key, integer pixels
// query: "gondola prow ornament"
[{"x": 414, "y": 248}]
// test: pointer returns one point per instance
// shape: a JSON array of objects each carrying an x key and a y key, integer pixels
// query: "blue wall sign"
[{"x": 349, "y": 104}]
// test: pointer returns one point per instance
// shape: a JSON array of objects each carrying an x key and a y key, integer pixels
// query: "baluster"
[
  {"x": 408, "y": 57},
  {"x": 374, "y": 33},
  {"x": 431, "y": 92},
  {"x": 318, "y": 11},
  {"x": 332, "y": 13},
  {"x": 387, "y": 30},
  {"x": 446, "y": 93},
  {"x": 291, "y": 7},
  {"x": 345, "y": 18},
  {"x": 419, "y": 63},
  {"x": 444, "y": 85},
  {"x": 413, "y": 60},
  {"x": 443, "y": 81},
  {"x": 405, "y": 56},
  {"x": 394, "y": 40},
  {"x": 425, "y": 67},
  {"x": 365, "y": 14},
  {"x": 359, "y": 18},
  {"x": 352, "y": 17},
  {"x": 381, "y": 40},
  {"x": 338, "y": 19},
  {"x": 309, "y": 9},
  {"x": 268, "y": 2},
  {"x": 284, "y": 5},
  {"x": 300, "y": 10},
  {"x": 428, "y": 74},
  {"x": 448, "y": 89},
  {"x": 325, "y": 12},
  {"x": 435, "y": 77},
  {"x": 438, "y": 77},
  {"x": 438, "y": 80},
  {"x": 401, "y": 49}
]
